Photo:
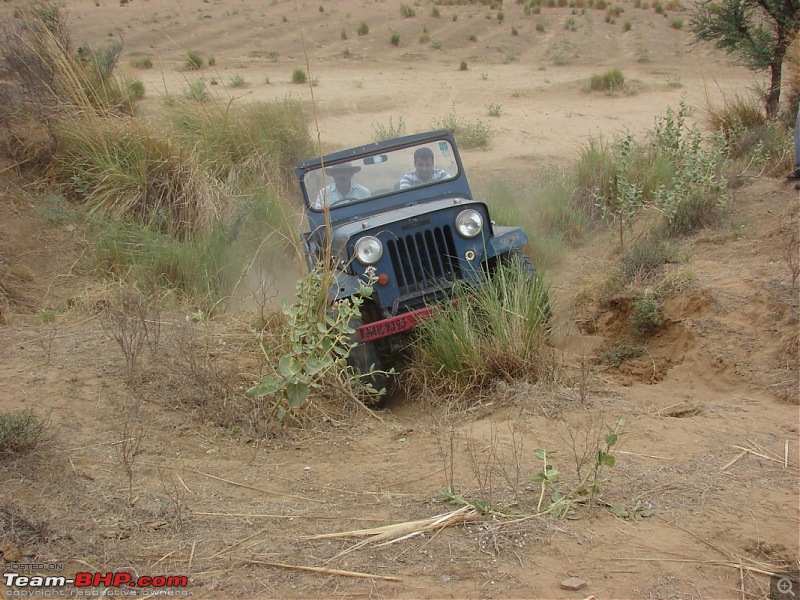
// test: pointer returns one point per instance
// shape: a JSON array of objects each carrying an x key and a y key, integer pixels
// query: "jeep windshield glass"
[{"x": 388, "y": 172}]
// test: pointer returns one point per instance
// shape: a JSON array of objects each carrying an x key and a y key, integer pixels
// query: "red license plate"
[{"x": 393, "y": 325}]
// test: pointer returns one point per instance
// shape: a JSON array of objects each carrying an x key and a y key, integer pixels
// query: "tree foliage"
[{"x": 757, "y": 32}]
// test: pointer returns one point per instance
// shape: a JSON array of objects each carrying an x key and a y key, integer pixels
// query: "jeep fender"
[
  {"x": 344, "y": 286},
  {"x": 504, "y": 240}
]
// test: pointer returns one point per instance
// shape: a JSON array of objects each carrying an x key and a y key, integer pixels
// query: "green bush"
[
  {"x": 646, "y": 316},
  {"x": 407, "y": 11},
  {"x": 468, "y": 134},
  {"x": 621, "y": 352},
  {"x": 237, "y": 81},
  {"x": 389, "y": 132},
  {"x": 395, "y": 39},
  {"x": 299, "y": 75},
  {"x": 363, "y": 29},
  {"x": 197, "y": 91}
]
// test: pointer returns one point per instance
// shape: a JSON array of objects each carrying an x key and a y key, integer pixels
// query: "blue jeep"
[{"x": 401, "y": 210}]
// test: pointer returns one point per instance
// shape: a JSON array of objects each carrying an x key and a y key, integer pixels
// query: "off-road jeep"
[{"x": 418, "y": 240}]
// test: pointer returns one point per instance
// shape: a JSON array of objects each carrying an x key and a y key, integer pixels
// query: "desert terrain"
[{"x": 707, "y": 468}]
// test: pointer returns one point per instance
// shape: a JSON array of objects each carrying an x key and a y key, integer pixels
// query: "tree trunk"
[
  {"x": 774, "y": 94},
  {"x": 783, "y": 41}
]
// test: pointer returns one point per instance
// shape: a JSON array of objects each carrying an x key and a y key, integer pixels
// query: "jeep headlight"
[
  {"x": 368, "y": 250},
  {"x": 469, "y": 223}
]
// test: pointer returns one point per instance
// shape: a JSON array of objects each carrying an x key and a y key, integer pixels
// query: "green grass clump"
[
  {"x": 753, "y": 141},
  {"x": 142, "y": 63},
  {"x": 135, "y": 89},
  {"x": 646, "y": 256},
  {"x": 621, "y": 352},
  {"x": 128, "y": 170},
  {"x": 363, "y": 29},
  {"x": 395, "y": 39},
  {"x": 468, "y": 134},
  {"x": 610, "y": 81},
  {"x": 20, "y": 432},
  {"x": 253, "y": 144},
  {"x": 496, "y": 331},
  {"x": 194, "y": 60},
  {"x": 237, "y": 81},
  {"x": 463, "y": 66},
  {"x": 407, "y": 11},
  {"x": 676, "y": 23},
  {"x": 299, "y": 75}
]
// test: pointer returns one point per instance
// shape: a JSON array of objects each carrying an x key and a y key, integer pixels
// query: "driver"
[{"x": 342, "y": 187}]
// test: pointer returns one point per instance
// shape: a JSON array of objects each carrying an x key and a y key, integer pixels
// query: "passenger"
[{"x": 424, "y": 171}]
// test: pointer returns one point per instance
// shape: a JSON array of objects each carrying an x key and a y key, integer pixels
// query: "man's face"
[
  {"x": 424, "y": 167},
  {"x": 342, "y": 181}
]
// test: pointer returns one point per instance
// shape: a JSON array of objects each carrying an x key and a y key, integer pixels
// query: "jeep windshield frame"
[{"x": 379, "y": 177}]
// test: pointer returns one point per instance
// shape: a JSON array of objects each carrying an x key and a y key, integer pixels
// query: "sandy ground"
[{"x": 711, "y": 441}]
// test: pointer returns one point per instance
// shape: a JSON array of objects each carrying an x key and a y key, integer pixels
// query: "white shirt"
[
  {"x": 357, "y": 192},
  {"x": 413, "y": 180}
]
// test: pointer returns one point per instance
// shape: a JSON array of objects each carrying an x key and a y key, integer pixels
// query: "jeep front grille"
[{"x": 424, "y": 260}]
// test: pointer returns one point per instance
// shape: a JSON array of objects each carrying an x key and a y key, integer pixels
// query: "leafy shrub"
[
  {"x": 646, "y": 316},
  {"x": 469, "y": 135},
  {"x": 20, "y": 432},
  {"x": 696, "y": 194},
  {"x": 237, "y": 81},
  {"x": 395, "y": 39},
  {"x": 389, "y": 132},
  {"x": 494, "y": 110},
  {"x": 363, "y": 29},
  {"x": 197, "y": 91},
  {"x": 463, "y": 66},
  {"x": 319, "y": 341},
  {"x": 299, "y": 75}
]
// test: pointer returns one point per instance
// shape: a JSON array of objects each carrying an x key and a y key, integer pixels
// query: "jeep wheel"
[
  {"x": 364, "y": 358},
  {"x": 528, "y": 268}
]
